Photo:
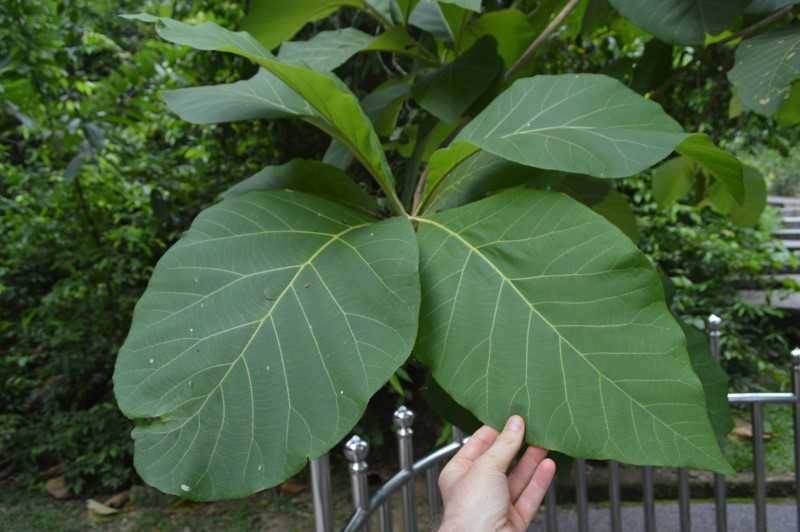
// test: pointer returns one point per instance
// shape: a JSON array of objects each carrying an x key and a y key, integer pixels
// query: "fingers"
[
  {"x": 498, "y": 457},
  {"x": 523, "y": 472},
  {"x": 531, "y": 497},
  {"x": 474, "y": 447}
]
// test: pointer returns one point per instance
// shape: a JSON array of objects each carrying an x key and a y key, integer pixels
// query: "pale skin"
[{"x": 479, "y": 491}]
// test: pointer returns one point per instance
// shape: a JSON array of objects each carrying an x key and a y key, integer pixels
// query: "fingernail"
[{"x": 514, "y": 423}]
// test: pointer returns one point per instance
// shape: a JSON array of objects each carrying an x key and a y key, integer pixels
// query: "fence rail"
[{"x": 356, "y": 451}]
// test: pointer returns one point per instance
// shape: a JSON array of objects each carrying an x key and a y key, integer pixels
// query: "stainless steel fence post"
[
  {"x": 403, "y": 420},
  {"x": 356, "y": 451},
  {"x": 720, "y": 490},
  {"x": 759, "y": 468},
  {"x": 614, "y": 496},
  {"x": 321, "y": 493},
  {"x": 581, "y": 495},
  {"x": 684, "y": 507},
  {"x": 796, "y": 407},
  {"x": 649, "y": 499},
  {"x": 385, "y": 516},
  {"x": 551, "y": 517},
  {"x": 434, "y": 497}
]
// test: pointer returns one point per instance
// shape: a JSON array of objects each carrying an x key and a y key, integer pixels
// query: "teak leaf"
[
  {"x": 516, "y": 291},
  {"x": 766, "y": 65},
  {"x": 581, "y": 123},
  {"x": 682, "y": 21},
  {"x": 722, "y": 165},
  {"x": 331, "y": 99},
  {"x": 250, "y": 351},
  {"x": 326, "y": 50}
]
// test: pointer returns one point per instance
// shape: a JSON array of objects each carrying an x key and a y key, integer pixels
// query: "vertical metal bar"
[
  {"x": 403, "y": 419},
  {"x": 759, "y": 468},
  {"x": 581, "y": 495},
  {"x": 434, "y": 497},
  {"x": 356, "y": 451},
  {"x": 684, "y": 508},
  {"x": 458, "y": 434},
  {"x": 649, "y": 499},
  {"x": 321, "y": 493},
  {"x": 551, "y": 517},
  {"x": 720, "y": 489},
  {"x": 796, "y": 391},
  {"x": 614, "y": 496},
  {"x": 385, "y": 516}
]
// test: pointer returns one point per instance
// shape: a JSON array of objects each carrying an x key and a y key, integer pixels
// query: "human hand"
[{"x": 479, "y": 495}]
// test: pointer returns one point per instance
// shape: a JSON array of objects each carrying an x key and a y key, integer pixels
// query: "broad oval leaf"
[
  {"x": 581, "y": 123},
  {"x": 250, "y": 351},
  {"x": 535, "y": 305},
  {"x": 682, "y": 21},
  {"x": 326, "y": 50},
  {"x": 342, "y": 115},
  {"x": 766, "y": 65}
]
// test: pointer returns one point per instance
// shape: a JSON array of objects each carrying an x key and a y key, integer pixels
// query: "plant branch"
[
  {"x": 746, "y": 32},
  {"x": 549, "y": 30}
]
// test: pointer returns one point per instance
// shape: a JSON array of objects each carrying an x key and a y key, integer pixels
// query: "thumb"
[{"x": 498, "y": 457}]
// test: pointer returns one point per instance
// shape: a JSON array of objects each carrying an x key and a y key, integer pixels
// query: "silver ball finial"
[
  {"x": 796, "y": 356},
  {"x": 356, "y": 449},
  {"x": 714, "y": 322},
  {"x": 403, "y": 418}
]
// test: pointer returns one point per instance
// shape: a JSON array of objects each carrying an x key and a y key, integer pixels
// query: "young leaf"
[
  {"x": 682, "y": 21},
  {"x": 330, "y": 98},
  {"x": 722, "y": 165},
  {"x": 450, "y": 90},
  {"x": 766, "y": 65},
  {"x": 714, "y": 379},
  {"x": 580, "y": 123},
  {"x": 673, "y": 180},
  {"x": 515, "y": 320},
  {"x": 313, "y": 177},
  {"x": 250, "y": 352}
]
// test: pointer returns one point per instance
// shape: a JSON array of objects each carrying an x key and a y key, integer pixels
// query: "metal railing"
[{"x": 356, "y": 451}]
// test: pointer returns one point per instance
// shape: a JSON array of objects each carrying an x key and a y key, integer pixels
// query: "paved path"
[{"x": 781, "y": 517}]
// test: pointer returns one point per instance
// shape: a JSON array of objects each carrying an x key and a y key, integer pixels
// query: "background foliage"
[{"x": 98, "y": 180}]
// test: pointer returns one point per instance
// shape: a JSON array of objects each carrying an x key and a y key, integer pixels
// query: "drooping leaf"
[
  {"x": 725, "y": 168},
  {"x": 763, "y": 7},
  {"x": 251, "y": 352},
  {"x": 516, "y": 292},
  {"x": 327, "y": 50},
  {"x": 511, "y": 28},
  {"x": 313, "y": 177},
  {"x": 714, "y": 379},
  {"x": 262, "y": 96},
  {"x": 673, "y": 180},
  {"x": 788, "y": 114},
  {"x": 331, "y": 99},
  {"x": 682, "y": 21},
  {"x": 748, "y": 213},
  {"x": 766, "y": 65},
  {"x": 581, "y": 123},
  {"x": 450, "y": 90},
  {"x": 274, "y": 21}
]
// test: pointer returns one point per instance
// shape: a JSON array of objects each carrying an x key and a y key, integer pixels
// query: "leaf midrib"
[{"x": 507, "y": 280}]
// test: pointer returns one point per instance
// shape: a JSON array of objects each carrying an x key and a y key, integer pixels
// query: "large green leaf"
[
  {"x": 262, "y": 96},
  {"x": 581, "y": 123},
  {"x": 682, "y": 21},
  {"x": 717, "y": 162},
  {"x": 274, "y": 21},
  {"x": 250, "y": 351},
  {"x": 515, "y": 319},
  {"x": 331, "y": 99},
  {"x": 714, "y": 379},
  {"x": 326, "y": 50},
  {"x": 766, "y": 65},
  {"x": 449, "y": 91},
  {"x": 313, "y": 177}
]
